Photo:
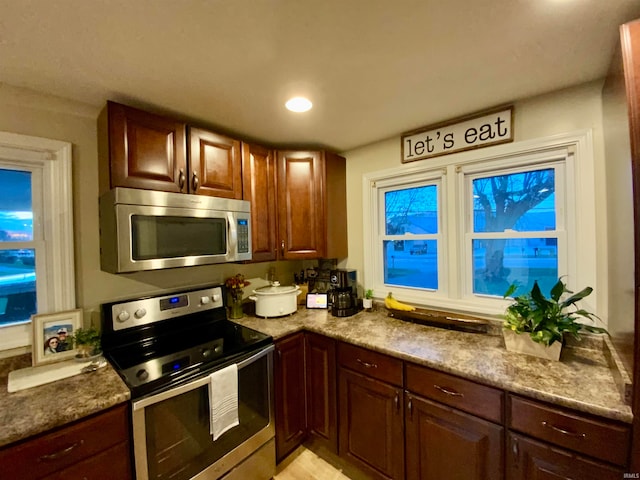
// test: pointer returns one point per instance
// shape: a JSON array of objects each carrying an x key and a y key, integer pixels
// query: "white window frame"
[
  {"x": 50, "y": 160},
  {"x": 579, "y": 184}
]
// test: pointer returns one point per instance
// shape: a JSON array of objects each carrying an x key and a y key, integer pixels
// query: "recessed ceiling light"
[{"x": 298, "y": 104}]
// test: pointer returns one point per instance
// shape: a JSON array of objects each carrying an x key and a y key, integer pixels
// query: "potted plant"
[
  {"x": 545, "y": 320},
  {"x": 87, "y": 342},
  {"x": 367, "y": 301}
]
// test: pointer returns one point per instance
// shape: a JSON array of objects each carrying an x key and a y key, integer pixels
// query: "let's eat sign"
[{"x": 473, "y": 131}]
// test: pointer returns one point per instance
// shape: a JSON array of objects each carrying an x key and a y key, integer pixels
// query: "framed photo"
[{"x": 51, "y": 332}]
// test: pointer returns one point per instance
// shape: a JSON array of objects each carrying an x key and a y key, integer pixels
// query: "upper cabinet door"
[
  {"x": 301, "y": 205},
  {"x": 259, "y": 187},
  {"x": 145, "y": 150},
  {"x": 215, "y": 165}
]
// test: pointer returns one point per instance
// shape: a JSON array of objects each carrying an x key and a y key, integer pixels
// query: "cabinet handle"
[
  {"x": 195, "y": 182},
  {"x": 451, "y": 393},
  {"x": 282, "y": 248},
  {"x": 563, "y": 431},
  {"x": 181, "y": 179},
  {"x": 62, "y": 453},
  {"x": 515, "y": 450},
  {"x": 396, "y": 402},
  {"x": 410, "y": 408},
  {"x": 366, "y": 364}
]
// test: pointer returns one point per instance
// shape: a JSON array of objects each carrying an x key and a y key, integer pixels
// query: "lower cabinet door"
[
  {"x": 290, "y": 401},
  {"x": 371, "y": 428},
  {"x": 322, "y": 418},
  {"x": 531, "y": 460},
  {"x": 445, "y": 443}
]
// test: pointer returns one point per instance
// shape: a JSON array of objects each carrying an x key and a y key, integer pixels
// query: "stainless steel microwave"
[{"x": 150, "y": 230}]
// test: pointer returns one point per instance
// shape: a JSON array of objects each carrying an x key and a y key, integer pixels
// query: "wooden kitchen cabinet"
[
  {"x": 547, "y": 441},
  {"x": 312, "y": 212},
  {"x": 139, "y": 149},
  {"x": 215, "y": 165},
  {"x": 322, "y": 400},
  {"x": 143, "y": 150},
  {"x": 371, "y": 430},
  {"x": 96, "y": 448},
  {"x": 259, "y": 187},
  {"x": 305, "y": 392},
  {"x": 290, "y": 394},
  {"x": 528, "y": 459},
  {"x": 442, "y": 442},
  {"x": 445, "y": 437}
]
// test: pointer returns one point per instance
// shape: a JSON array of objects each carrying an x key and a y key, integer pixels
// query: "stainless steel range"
[{"x": 178, "y": 352}]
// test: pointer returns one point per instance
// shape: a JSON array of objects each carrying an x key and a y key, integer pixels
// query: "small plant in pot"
[
  {"x": 367, "y": 301},
  {"x": 545, "y": 320},
  {"x": 87, "y": 342}
]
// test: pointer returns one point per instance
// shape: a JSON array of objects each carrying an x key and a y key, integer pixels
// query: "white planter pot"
[
  {"x": 367, "y": 303},
  {"x": 275, "y": 300},
  {"x": 522, "y": 343}
]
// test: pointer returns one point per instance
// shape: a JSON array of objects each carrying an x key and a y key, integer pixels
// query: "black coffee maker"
[{"x": 343, "y": 293}]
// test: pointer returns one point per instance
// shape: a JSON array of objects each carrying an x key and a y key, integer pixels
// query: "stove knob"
[
  {"x": 204, "y": 300},
  {"x": 218, "y": 349},
  {"x": 205, "y": 352},
  {"x": 123, "y": 316},
  {"x": 141, "y": 312},
  {"x": 216, "y": 297},
  {"x": 142, "y": 374}
]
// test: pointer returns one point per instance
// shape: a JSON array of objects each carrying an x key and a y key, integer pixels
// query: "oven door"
[{"x": 171, "y": 436}]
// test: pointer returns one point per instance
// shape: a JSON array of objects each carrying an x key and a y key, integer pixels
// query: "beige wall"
[
  {"x": 26, "y": 112},
  {"x": 565, "y": 111},
  {"x": 29, "y": 113}
]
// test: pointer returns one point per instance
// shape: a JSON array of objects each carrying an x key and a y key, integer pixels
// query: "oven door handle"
[{"x": 160, "y": 397}]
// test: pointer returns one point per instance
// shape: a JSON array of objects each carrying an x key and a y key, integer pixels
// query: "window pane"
[
  {"x": 524, "y": 202},
  {"x": 411, "y": 263},
  {"x": 17, "y": 285},
  {"x": 499, "y": 263},
  {"x": 16, "y": 212},
  {"x": 411, "y": 210}
]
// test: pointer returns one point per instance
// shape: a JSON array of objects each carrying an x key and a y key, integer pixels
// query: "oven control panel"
[
  {"x": 152, "y": 370},
  {"x": 135, "y": 313}
]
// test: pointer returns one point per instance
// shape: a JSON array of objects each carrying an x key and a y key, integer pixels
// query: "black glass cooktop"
[{"x": 160, "y": 362}]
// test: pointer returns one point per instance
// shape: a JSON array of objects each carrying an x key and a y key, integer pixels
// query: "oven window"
[
  {"x": 179, "y": 444},
  {"x": 173, "y": 236}
]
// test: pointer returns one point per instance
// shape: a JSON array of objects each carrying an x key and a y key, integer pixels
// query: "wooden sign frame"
[{"x": 477, "y": 130}]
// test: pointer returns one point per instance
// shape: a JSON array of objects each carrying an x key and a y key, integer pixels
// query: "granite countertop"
[
  {"x": 39, "y": 409},
  {"x": 583, "y": 379}
]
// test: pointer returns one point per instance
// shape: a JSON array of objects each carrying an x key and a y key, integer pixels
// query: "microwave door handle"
[{"x": 232, "y": 238}]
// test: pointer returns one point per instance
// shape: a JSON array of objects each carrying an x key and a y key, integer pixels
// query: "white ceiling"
[{"x": 373, "y": 68}]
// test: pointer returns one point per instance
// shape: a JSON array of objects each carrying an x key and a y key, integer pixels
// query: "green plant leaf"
[
  {"x": 557, "y": 290},
  {"x": 510, "y": 291}
]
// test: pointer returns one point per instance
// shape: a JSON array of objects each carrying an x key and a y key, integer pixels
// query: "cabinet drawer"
[
  {"x": 468, "y": 396},
  {"x": 54, "y": 451},
  {"x": 108, "y": 465},
  {"x": 598, "y": 438},
  {"x": 370, "y": 363}
]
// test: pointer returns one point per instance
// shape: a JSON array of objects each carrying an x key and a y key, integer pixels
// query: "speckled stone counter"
[
  {"x": 582, "y": 380},
  {"x": 39, "y": 409}
]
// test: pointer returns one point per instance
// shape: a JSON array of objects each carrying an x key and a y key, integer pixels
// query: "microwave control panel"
[{"x": 243, "y": 235}]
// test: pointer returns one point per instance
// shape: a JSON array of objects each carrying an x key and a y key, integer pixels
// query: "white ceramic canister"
[{"x": 275, "y": 300}]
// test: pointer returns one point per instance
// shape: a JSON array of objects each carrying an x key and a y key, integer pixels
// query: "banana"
[{"x": 393, "y": 304}]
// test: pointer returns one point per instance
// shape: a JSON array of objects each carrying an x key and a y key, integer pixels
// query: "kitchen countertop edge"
[
  {"x": 33, "y": 411},
  {"x": 483, "y": 358}
]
